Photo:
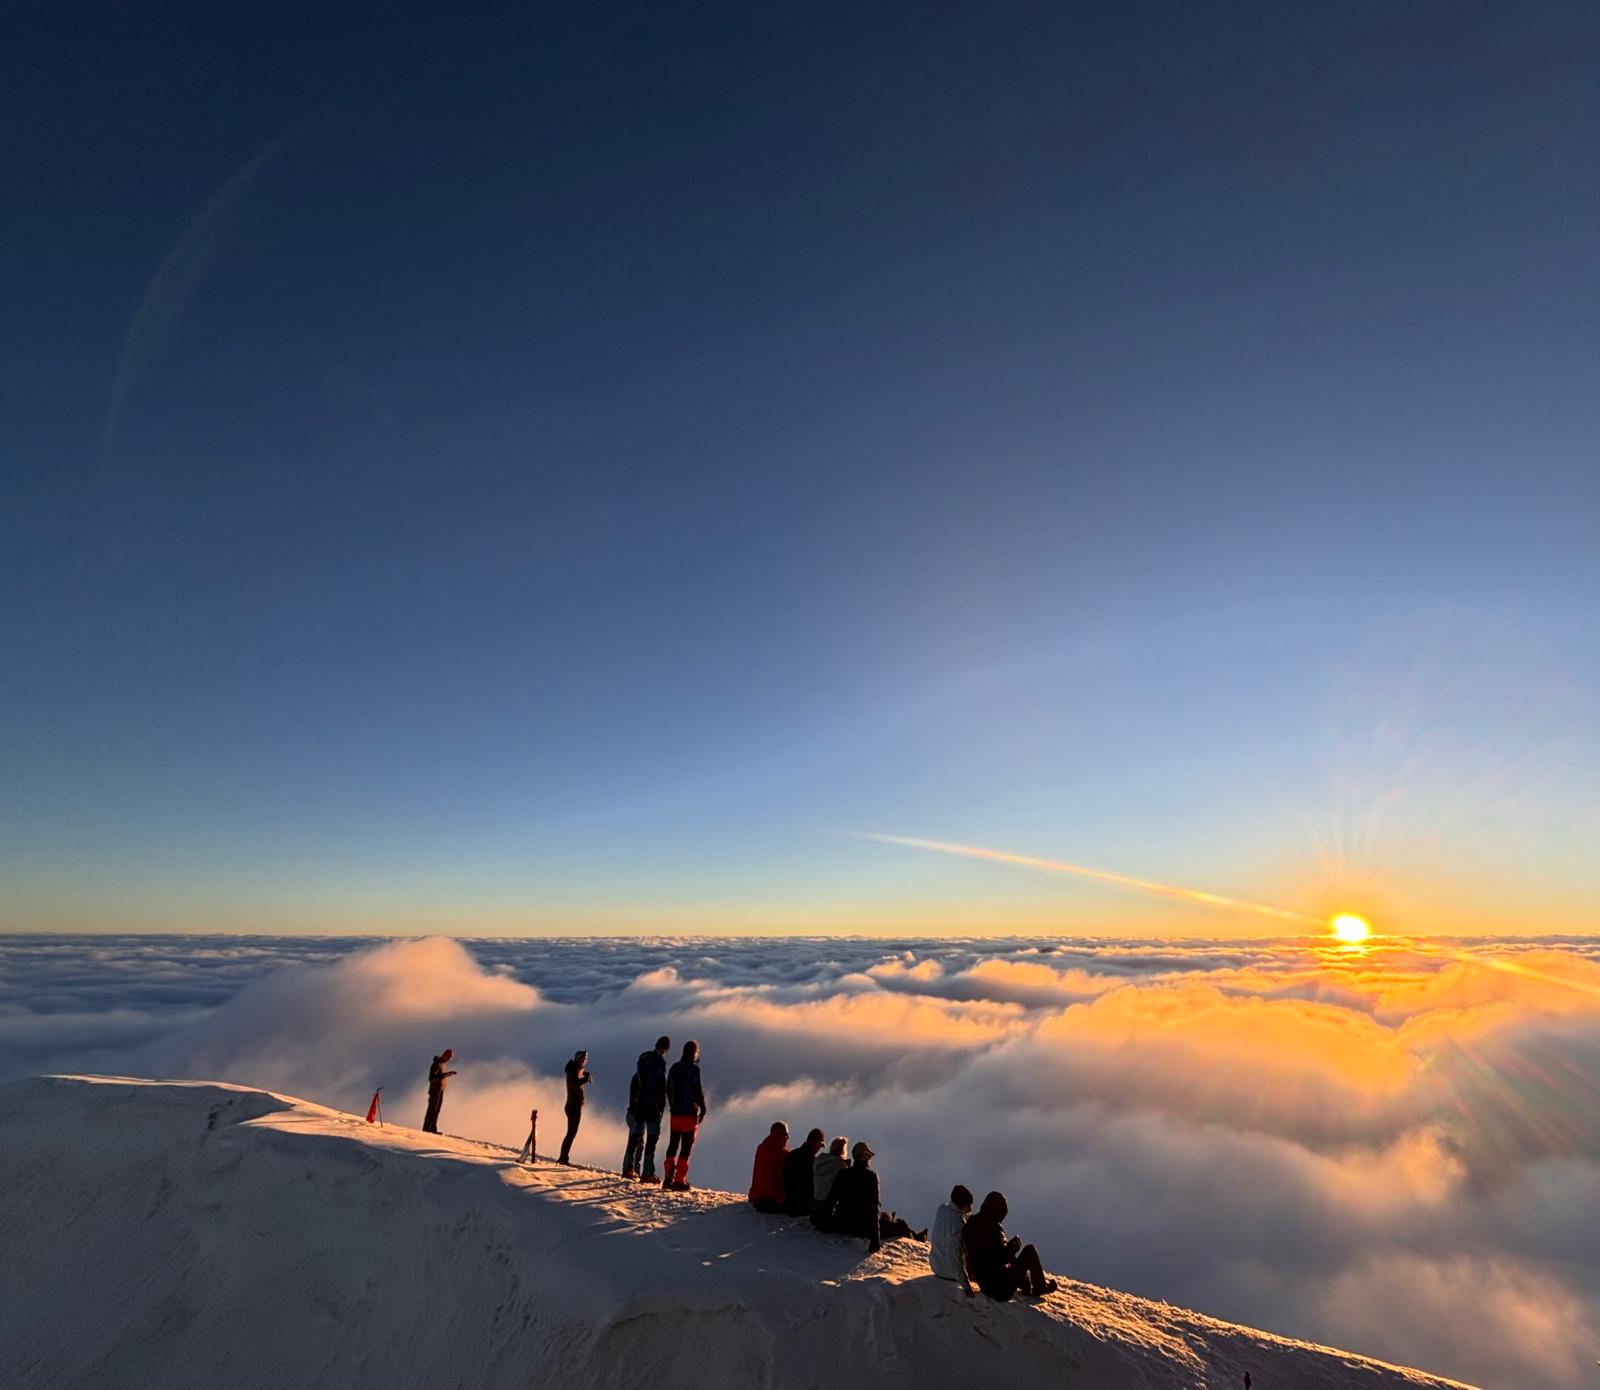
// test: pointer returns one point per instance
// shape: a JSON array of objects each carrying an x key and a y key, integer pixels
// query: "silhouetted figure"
[
  {"x": 766, "y": 1176},
  {"x": 687, "y": 1100},
  {"x": 947, "y": 1255},
  {"x": 854, "y": 1200},
  {"x": 437, "y": 1076},
  {"x": 577, "y": 1078},
  {"x": 825, "y": 1170},
  {"x": 999, "y": 1267},
  {"x": 647, "y": 1100},
  {"x": 798, "y": 1175}
]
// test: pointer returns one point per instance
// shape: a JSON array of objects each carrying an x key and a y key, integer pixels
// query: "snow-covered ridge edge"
[{"x": 185, "y": 1233}]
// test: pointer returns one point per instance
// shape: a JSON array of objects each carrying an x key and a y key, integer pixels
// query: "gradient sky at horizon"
[{"x": 575, "y": 471}]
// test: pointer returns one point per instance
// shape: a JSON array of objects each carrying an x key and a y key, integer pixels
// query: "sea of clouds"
[{"x": 1394, "y": 1150}]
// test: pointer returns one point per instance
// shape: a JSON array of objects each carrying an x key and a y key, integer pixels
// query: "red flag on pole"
[{"x": 372, "y": 1110}]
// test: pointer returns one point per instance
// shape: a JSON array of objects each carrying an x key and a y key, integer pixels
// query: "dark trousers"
[
  {"x": 642, "y": 1137},
  {"x": 1025, "y": 1274},
  {"x": 574, "y": 1115},
  {"x": 430, "y": 1121}
]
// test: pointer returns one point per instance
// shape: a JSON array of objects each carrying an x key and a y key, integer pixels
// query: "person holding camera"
[
  {"x": 577, "y": 1078},
  {"x": 437, "y": 1076}
]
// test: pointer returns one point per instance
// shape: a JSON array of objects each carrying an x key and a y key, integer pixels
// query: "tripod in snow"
[{"x": 530, "y": 1149}]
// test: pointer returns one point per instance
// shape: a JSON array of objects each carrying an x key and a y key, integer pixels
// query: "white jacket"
[
  {"x": 944, "y": 1242},
  {"x": 824, "y": 1169}
]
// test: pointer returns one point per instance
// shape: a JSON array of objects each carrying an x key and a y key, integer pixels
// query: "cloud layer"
[{"x": 1396, "y": 1150}]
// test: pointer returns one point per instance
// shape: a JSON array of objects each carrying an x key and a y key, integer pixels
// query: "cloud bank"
[{"x": 1395, "y": 1150}]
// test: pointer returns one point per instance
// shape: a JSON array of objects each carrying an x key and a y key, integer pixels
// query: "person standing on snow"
[
  {"x": 437, "y": 1076},
  {"x": 647, "y": 1099},
  {"x": 687, "y": 1099},
  {"x": 577, "y": 1078}
]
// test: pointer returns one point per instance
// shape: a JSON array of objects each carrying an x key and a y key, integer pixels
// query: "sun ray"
[{"x": 1056, "y": 866}]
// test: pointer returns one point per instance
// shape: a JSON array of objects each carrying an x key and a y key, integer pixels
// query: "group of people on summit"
[
  {"x": 814, "y": 1180},
  {"x": 973, "y": 1251},
  {"x": 838, "y": 1196}
]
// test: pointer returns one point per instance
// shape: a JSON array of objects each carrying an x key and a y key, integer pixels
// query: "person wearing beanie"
[
  {"x": 687, "y": 1099},
  {"x": 647, "y": 1100}
]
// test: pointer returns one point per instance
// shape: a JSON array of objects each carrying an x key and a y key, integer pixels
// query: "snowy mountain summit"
[{"x": 164, "y": 1235}]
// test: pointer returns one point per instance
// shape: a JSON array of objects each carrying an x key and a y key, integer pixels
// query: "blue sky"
[{"x": 573, "y": 468}]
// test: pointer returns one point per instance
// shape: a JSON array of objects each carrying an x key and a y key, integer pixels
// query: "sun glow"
[{"x": 1350, "y": 929}]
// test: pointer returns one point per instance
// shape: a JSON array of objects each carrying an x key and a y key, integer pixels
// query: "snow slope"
[{"x": 176, "y": 1234}]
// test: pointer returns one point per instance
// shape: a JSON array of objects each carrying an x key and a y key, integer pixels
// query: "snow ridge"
[{"x": 179, "y": 1233}]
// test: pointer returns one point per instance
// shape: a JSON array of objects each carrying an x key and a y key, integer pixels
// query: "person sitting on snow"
[
  {"x": 855, "y": 1198},
  {"x": 766, "y": 1178},
  {"x": 999, "y": 1267},
  {"x": 825, "y": 1170},
  {"x": 798, "y": 1175},
  {"x": 947, "y": 1257}
]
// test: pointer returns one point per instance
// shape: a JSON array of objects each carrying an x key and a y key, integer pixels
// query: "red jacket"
[{"x": 766, "y": 1179}]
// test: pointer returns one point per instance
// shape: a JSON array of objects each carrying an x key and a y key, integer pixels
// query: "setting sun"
[{"x": 1350, "y": 928}]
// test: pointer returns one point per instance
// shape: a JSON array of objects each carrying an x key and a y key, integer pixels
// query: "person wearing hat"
[
  {"x": 437, "y": 1076},
  {"x": 798, "y": 1175},
  {"x": 999, "y": 1266},
  {"x": 577, "y": 1078},
  {"x": 855, "y": 1198}
]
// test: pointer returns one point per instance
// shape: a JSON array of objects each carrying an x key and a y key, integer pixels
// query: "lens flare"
[{"x": 1056, "y": 866}]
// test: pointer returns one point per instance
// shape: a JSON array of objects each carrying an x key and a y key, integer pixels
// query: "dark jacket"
[
  {"x": 684, "y": 1092},
  {"x": 855, "y": 1202},
  {"x": 576, "y": 1081},
  {"x": 437, "y": 1076},
  {"x": 797, "y": 1181},
  {"x": 651, "y": 1078},
  {"x": 988, "y": 1260}
]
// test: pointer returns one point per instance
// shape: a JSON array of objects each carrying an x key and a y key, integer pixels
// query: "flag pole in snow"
[
  {"x": 375, "y": 1110},
  {"x": 530, "y": 1150}
]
